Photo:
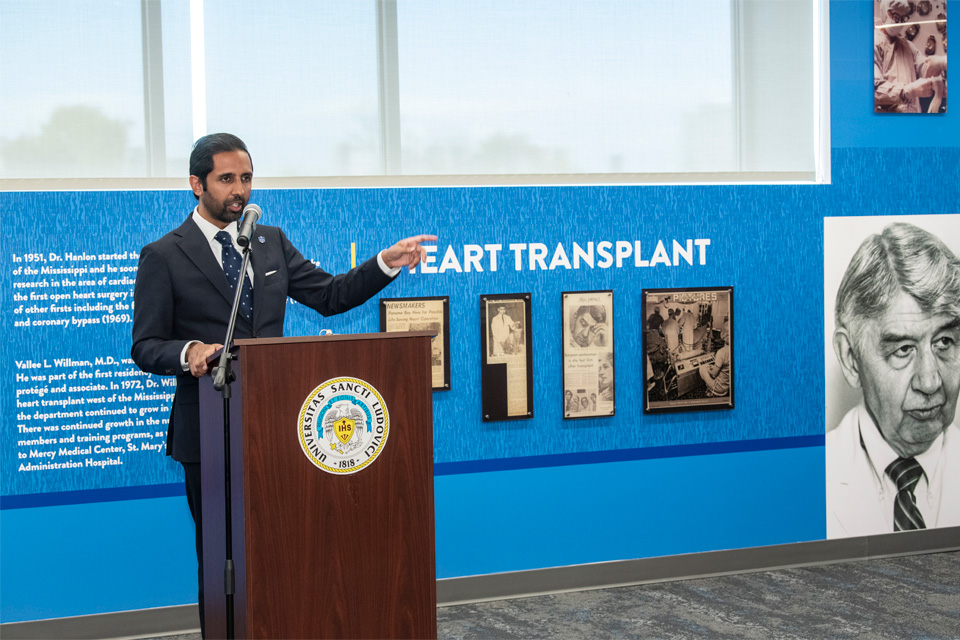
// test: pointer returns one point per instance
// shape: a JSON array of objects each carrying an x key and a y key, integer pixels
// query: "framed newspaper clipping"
[
  {"x": 423, "y": 314},
  {"x": 588, "y": 380},
  {"x": 506, "y": 372},
  {"x": 688, "y": 349}
]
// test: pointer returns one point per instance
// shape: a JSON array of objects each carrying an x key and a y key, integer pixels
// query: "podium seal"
[{"x": 343, "y": 425}]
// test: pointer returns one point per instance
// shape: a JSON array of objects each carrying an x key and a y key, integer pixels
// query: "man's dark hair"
[
  {"x": 201, "y": 158},
  {"x": 596, "y": 311}
]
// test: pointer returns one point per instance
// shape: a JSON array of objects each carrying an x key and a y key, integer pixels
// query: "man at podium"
[{"x": 185, "y": 290}]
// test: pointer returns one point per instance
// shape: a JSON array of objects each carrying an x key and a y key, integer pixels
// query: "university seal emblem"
[{"x": 343, "y": 425}]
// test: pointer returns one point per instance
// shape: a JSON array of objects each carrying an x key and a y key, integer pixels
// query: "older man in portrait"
[{"x": 893, "y": 463}]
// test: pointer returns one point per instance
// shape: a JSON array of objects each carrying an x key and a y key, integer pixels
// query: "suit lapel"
[
  {"x": 257, "y": 265},
  {"x": 195, "y": 246}
]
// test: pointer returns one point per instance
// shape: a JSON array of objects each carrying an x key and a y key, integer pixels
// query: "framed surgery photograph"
[
  {"x": 588, "y": 362},
  {"x": 423, "y": 314},
  {"x": 687, "y": 349},
  {"x": 506, "y": 357},
  {"x": 910, "y": 56}
]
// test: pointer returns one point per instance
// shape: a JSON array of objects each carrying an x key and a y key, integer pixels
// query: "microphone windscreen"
[{"x": 253, "y": 209}]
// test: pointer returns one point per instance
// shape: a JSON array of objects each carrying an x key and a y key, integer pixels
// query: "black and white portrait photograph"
[
  {"x": 910, "y": 56},
  {"x": 892, "y": 373},
  {"x": 507, "y": 370},
  {"x": 688, "y": 349},
  {"x": 588, "y": 361},
  {"x": 505, "y": 328},
  {"x": 588, "y": 324}
]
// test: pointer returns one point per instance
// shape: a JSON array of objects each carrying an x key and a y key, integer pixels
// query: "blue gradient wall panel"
[
  {"x": 527, "y": 518},
  {"x": 99, "y": 557}
]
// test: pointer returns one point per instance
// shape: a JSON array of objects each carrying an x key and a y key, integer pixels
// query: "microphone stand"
[{"x": 222, "y": 377}]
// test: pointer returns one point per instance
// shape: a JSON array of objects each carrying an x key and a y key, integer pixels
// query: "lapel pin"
[{"x": 261, "y": 239}]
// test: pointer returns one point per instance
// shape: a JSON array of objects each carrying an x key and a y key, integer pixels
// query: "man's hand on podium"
[{"x": 197, "y": 354}]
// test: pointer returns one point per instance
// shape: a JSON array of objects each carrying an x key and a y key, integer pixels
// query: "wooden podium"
[{"x": 319, "y": 554}]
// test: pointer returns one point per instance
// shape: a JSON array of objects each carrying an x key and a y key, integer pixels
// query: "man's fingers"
[
  {"x": 197, "y": 357},
  {"x": 417, "y": 257}
]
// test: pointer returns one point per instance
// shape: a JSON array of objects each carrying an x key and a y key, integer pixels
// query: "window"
[
  {"x": 415, "y": 91},
  {"x": 71, "y": 89},
  {"x": 572, "y": 86}
]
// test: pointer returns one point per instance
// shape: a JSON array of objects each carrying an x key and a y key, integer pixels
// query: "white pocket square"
[{"x": 269, "y": 273}]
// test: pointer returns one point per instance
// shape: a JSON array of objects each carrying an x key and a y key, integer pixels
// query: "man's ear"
[
  {"x": 196, "y": 185},
  {"x": 843, "y": 347}
]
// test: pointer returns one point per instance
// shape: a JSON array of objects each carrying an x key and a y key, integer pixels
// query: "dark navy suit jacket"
[{"x": 181, "y": 295}]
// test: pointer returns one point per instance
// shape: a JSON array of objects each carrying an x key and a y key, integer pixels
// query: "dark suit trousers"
[{"x": 191, "y": 475}]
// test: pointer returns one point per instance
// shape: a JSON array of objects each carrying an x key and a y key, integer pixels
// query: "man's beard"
[{"x": 222, "y": 212}]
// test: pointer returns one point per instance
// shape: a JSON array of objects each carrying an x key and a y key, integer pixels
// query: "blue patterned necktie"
[
  {"x": 906, "y": 472},
  {"x": 231, "y": 268}
]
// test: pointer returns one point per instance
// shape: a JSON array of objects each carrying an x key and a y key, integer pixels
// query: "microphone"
[{"x": 251, "y": 213}]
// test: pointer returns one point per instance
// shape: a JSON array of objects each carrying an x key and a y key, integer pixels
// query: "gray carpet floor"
[{"x": 895, "y": 598}]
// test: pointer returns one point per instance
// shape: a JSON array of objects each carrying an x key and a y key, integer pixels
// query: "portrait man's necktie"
[
  {"x": 231, "y": 268},
  {"x": 906, "y": 472}
]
